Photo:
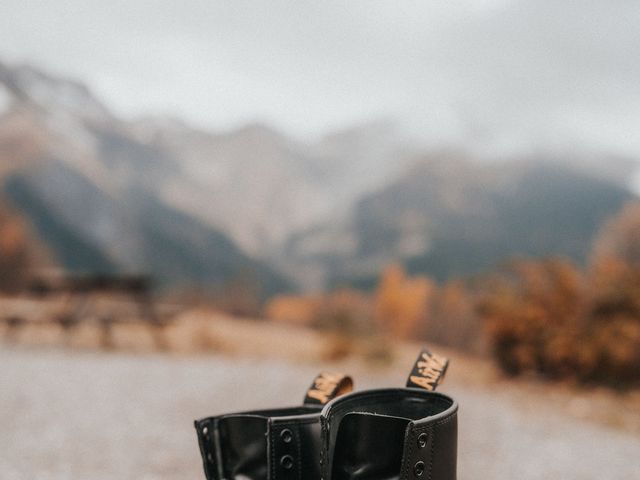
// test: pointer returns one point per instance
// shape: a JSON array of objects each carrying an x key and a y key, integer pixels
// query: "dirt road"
[{"x": 82, "y": 415}]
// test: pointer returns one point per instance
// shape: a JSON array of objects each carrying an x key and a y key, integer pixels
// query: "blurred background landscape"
[{"x": 319, "y": 184}]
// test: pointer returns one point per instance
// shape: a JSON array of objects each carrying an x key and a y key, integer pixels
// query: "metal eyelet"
[
  {"x": 286, "y": 435},
  {"x": 422, "y": 440},
  {"x": 418, "y": 469},
  {"x": 287, "y": 462}
]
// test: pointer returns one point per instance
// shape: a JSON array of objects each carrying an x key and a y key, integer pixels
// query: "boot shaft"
[
  {"x": 390, "y": 434},
  {"x": 393, "y": 434},
  {"x": 269, "y": 444}
]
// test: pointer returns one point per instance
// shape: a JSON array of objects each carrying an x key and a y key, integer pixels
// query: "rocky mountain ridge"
[{"x": 197, "y": 207}]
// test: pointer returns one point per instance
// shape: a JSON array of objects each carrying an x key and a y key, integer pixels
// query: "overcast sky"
[{"x": 484, "y": 72}]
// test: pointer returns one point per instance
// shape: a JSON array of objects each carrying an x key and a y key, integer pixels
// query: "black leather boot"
[
  {"x": 393, "y": 434},
  {"x": 279, "y": 444}
]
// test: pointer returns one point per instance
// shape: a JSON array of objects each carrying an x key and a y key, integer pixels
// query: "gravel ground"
[{"x": 91, "y": 415}]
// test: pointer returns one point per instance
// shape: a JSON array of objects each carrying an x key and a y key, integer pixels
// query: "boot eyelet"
[
  {"x": 287, "y": 462},
  {"x": 205, "y": 430},
  {"x": 422, "y": 440},
  {"x": 418, "y": 469},
  {"x": 286, "y": 435}
]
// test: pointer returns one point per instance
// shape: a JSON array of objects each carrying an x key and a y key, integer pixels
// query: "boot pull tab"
[
  {"x": 327, "y": 386},
  {"x": 428, "y": 371}
]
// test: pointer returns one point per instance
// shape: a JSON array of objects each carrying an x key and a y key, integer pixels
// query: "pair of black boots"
[{"x": 384, "y": 434}]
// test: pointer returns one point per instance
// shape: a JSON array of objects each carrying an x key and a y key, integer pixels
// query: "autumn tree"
[
  {"x": 528, "y": 307},
  {"x": 294, "y": 309},
  {"x": 345, "y": 310},
  {"x": 619, "y": 239},
  {"x": 613, "y": 322},
  {"x": 401, "y": 302},
  {"x": 16, "y": 255},
  {"x": 547, "y": 317}
]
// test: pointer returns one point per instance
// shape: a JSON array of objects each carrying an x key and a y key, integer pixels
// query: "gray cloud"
[{"x": 503, "y": 73}]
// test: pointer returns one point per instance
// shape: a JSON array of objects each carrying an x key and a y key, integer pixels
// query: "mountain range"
[{"x": 195, "y": 207}]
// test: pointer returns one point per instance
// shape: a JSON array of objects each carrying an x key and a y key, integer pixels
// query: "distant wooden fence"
[{"x": 71, "y": 300}]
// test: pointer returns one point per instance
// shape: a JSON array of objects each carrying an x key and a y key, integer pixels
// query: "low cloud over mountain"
[{"x": 197, "y": 207}]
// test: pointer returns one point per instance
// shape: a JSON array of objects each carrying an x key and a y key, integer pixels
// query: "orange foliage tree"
[
  {"x": 295, "y": 309},
  {"x": 345, "y": 310},
  {"x": 402, "y": 302},
  {"x": 528, "y": 306},
  {"x": 548, "y": 317},
  {"x": 613, "y": 323},
  {"x": 15, "y": 255}
]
